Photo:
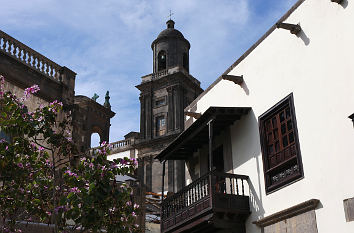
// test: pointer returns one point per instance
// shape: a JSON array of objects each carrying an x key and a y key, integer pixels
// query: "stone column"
[
  {"x": 142, "y": 116},
  {"x": 149, "y": 174},
  {"x": 179, "y": 111},
  {"x": 141, "y": 165},
  {"x": 170, "y": 115},
  {"x": 148, "y": 115}
]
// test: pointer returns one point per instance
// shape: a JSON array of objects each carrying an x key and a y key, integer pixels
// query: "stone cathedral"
[{"x": 163, "y": 96}]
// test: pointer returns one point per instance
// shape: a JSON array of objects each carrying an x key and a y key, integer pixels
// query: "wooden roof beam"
[
  {"x": 293, "y": 28},
  {"x": 195, "y": 115},
  {"x": 233, "y": 78}
]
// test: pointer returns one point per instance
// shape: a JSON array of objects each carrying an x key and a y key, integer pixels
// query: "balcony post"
[
  {"x": 163, "y": 179},
  {"x": 210, "y": 124}
]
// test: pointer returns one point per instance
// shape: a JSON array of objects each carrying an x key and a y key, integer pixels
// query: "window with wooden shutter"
[{"x": 280, "y": 145}]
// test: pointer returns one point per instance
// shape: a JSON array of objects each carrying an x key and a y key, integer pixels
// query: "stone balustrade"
[
  {"x": 121, "y": 144},
  {"x": 162, "y": 73},
  {"x": 28, "y": 56}
]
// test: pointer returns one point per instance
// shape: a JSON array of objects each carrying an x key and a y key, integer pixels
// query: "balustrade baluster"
[
  {"x": 6, "y": 45},
  {"x": 203, "y": 186},
  {"x": 237, "y": 191},
  {"x": 200, "y": 190},
  {"x": 11, "y": 49},
  {"x": 185, "y": 198},
  {"x": 192, "y": 189},
  {"x": 18, "y": 53},
  {"x": 196, "y": 192},
  {"x": 243, "y": 188},
  {"x": 42, "y": 66},
  {"x": 45, "y": 67},
  {"x": 29, "y": 58},
  {"x": 49, "y": 69},
  {"x": 21, "y": 54},
  {"x": 52, "y": 71},
  {"x": 34, "y": 61},
  {"x": 38, "y": 64},
  {"x": 25, "y": 57},
  {"x": 231, "y": 180},
  {"x": 15, "y": 50},
  {"x": 190, "y": 195}
]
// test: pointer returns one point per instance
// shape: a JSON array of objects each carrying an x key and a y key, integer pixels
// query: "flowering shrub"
[{"x": 37, "y": 184}]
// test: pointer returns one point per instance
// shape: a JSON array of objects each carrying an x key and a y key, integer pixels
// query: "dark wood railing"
[{"x": 214, "y": 191}]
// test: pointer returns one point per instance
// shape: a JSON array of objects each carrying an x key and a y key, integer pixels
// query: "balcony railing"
[
  {"x": 28, "y": 56},
  {"x": 162, "y": 73},
  {"x": 121, "y": 144},
  {"x": 213, "y": 192}
]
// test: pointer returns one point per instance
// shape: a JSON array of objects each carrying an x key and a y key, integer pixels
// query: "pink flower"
[
  {"x": 30, "y": 90},
  {"x": 70, "y": 173},
  {"x": 20, "y": 165},
  {"x": 135, "y": 161},
  {"x": 123, "y": 161},
  {"x": 75, "y": 190},
  {"x": 33, "y": 89}
]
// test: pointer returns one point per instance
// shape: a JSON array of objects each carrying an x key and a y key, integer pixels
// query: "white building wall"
[
  {"x": 121, "y": 155},
  {"x": 318, "y": 68}
]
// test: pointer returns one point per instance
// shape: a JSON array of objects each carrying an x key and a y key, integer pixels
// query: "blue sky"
[{"x": 107, "y": 42}]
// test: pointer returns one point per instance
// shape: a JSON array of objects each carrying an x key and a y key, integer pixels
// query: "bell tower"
[
  {"x": 170, "y": 49},
  {"x": 163, "y": 96}
]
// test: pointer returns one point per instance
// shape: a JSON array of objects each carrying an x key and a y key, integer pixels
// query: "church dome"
[{"x": 170, "y": 32}]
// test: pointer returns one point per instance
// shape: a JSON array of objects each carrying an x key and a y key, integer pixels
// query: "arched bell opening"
[{"x": 161, "y": 59}]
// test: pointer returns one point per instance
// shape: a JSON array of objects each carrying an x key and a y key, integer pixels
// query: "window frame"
[
  {"x": 163, "y": 100},
  {"x": 287, "y": 165},
  {"x": 160, "y": 131}
]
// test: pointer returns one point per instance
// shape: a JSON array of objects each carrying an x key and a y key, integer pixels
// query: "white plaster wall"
[
  {"x": 318, "y": 68},
  {"x": 120, "y": 155}
]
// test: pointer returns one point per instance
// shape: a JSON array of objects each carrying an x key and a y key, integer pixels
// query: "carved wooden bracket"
[
  {"x": 337, "y": 1},
  {"x": 236, "y": 79},
  {"x": 195, "y": 115},
  {"x": 293, "y": 28},
  {"x": 352, "y": 117}
]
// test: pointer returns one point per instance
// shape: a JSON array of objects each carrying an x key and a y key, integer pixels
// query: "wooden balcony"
[{"x": 214, "y": 201}]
